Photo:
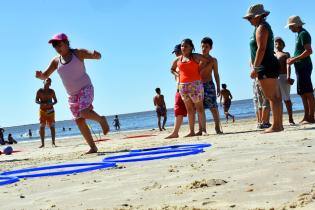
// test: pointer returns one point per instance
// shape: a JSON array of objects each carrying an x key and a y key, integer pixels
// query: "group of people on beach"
[
  {"x": 10, "y": 140},
  {"x": 193, "y": 72},
  {"x": 196, "y": 91},
  {"x": 271, "y": 70}
]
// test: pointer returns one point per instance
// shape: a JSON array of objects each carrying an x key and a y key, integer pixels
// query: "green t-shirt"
[
  {"x": 269, "y": 60},
  {"x": 302, "y": 39}
]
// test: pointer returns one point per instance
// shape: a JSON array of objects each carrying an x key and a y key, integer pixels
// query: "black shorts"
[
  {"x": 266, "y": 73},
  {"x": 303, "y": 77}
]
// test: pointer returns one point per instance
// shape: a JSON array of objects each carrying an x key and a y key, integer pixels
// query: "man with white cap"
[{"x": 303, "y": 67}]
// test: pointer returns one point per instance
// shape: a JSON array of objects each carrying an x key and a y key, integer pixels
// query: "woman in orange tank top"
[{"x": 190, "y": 86}]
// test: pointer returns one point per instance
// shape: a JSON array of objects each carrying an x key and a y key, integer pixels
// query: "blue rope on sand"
[
  {"x": 23, "y": 173},
  {"x": 4, "y": 180},
  {"x": 155, "y": 153}
]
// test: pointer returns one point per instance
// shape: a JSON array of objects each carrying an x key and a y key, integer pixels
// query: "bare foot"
[
  {"x": 304, "y": 122},
  {"x": 104, "y": 125},
  {"x": 172, "y": 136},
  {"x": 218, "y": 130},
  {"x": 190, "y": 134},
  {"x": 204, "y": 133},
  {"x": 91, "y": 151},
  {"x": 199, "y": 133},
  {"x": 54, "y": 145},
  {"x": 41, "y": 146},
  {"x": 164, "y": 129},
  {"x": 233, "y": 118},
  {"x": 272, "y": 130}
]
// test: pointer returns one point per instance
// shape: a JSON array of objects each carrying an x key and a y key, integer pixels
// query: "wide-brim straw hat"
[
  {"x": 255, "y": 11},
  {"x": 294, "y": 21}
]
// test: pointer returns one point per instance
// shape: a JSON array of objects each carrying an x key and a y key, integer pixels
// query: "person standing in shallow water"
[
  {"x": 160, "y": 108},
  {"x": 116, "y": 123},
  {"x": 46, "y": 98},
  {"x": 285, "y": 80},
  {"x": 70, "y": 65},
  {"x": 303, "y": 67},
  {"x": 265, "y": 66},
  {"x": 227, "y": 101}
]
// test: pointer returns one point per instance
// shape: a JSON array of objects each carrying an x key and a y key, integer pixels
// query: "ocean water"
[{"x": 134, "y": 121}]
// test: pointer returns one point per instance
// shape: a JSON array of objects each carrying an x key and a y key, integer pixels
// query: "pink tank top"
[{"x": 73, "y": 75}]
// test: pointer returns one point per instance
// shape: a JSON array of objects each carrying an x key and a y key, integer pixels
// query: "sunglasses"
[{"x": 56, "y": 44}]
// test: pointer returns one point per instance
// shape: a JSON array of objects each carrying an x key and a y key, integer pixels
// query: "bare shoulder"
[{"x": 55, "y": 61}]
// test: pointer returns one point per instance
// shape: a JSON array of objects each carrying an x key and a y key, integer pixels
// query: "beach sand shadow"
[
  {"x": 106, "y": 153},
  {"x": 14, "y": 160},
  {"x": 240, "y": 132}
]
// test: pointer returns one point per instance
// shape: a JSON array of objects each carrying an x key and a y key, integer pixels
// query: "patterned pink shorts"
[{"x": 82, "y": 100}]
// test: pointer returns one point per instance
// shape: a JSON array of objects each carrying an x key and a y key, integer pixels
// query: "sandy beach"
[{"x": 243, "y": 169}]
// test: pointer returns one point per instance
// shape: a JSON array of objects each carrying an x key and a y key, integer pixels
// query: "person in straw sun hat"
[
  {"x": 303, "y": 66},
  {"x": 265, "y": 66}
]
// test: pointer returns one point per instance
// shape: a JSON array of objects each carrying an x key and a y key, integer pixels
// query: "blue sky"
[{"x": 136, "y": 38}]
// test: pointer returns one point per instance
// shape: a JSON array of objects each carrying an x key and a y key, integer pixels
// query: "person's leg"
[
  {"x": 177, "y": 124},
  {"x": 216, "y": 118},
  {"x": 191, "y": 116},
  {"x": 311, "y": 103},
  {"x": 92, "y": 115},
  {"x": 226, "y": 113},
  {"x": 159, "y": 122},
  {"x": 53, "y": 135},
  {"x": 164, "y": 121},
  {"x": 306, "y": 110},
  {"x": 85, "y": 131},
  {"x": 200, "y": 130},
  {"x": 271, "y": 91},
  {"x": 201, "y": 115},
  {"x": 288, "y": 105},
  {"x": 42, "y": 135},
  {"x": 259, "y": 118},
  {"x": 265, "y": 115}
]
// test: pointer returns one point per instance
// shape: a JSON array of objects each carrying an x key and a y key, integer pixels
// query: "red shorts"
[{"x": 179, "y": 108}]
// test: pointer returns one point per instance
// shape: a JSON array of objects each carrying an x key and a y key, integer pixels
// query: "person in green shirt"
[
  {"x": 265, "y": 66},
  {"x": 303, "y": 67}
]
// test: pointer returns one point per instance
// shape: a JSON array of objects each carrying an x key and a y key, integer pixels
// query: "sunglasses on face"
[{"x": 56, "y": 44}]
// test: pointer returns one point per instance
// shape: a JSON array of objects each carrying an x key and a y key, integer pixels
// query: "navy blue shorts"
[
  {"x": 303, "y": 77},
  {"x": 210, "y": 95}
]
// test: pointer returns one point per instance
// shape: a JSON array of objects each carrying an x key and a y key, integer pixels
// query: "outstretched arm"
[
  {"x": 86, "y": 54},
  {"x": 50, "y": 69}
]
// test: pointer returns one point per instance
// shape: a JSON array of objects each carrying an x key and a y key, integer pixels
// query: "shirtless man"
[
  {"x": 285, "y": 80},
  {"x": 46, "y": 98},
  {"x": 210, "y": 91},
  {"x": 160, "y": 108},
  {"x": 227, "y": 99}
]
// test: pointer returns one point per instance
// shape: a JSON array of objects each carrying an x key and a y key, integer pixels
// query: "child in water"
[{"x": 69, "y": 64}]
